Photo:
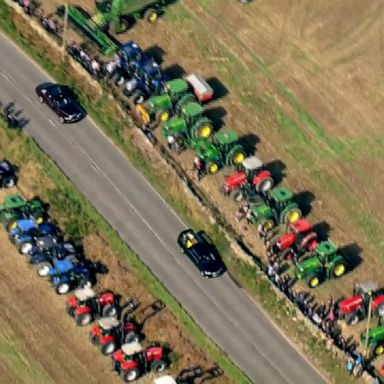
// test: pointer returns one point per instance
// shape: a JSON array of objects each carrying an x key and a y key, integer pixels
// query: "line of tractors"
[
  {"x": 177, "y": 108},
  {"x": 116, "y": 331}
]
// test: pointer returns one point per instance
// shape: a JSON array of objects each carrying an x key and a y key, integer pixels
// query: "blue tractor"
[
  {"x": 44, "y": 261},
  {"x": 148, "y": 80},
  {"x": 131, "y": 55},
  {"x": 68, "y": 274},
  {"x": 24, "y": 232}
]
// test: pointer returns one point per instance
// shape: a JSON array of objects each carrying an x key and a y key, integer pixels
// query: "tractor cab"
[
  {"x": 262, "y": 215},
  {"x": 150, "y": 71},
  {"x": 130, "y": 52},
  {"x": 201, "y": 89},
  {"x": 280, "y": 200},
  {"x": 175, "y": 89},
  {"x": 84, "y": 294},
  {"x": 326, "y": 251},
  {"x": 132, "y": 351},
  {"x": 106, "y": 324}
]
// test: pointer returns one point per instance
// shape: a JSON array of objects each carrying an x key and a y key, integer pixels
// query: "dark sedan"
[
  {"x": 199, "y": 248},
  {"x": 61, "y": 100}
]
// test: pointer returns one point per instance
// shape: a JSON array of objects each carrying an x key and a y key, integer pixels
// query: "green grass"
[{"x": 241, "y": 271}]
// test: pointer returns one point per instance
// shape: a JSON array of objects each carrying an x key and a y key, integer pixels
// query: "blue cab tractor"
[
  {"x": 148, "y": 79},
  {"x": 67, "y": 274}
]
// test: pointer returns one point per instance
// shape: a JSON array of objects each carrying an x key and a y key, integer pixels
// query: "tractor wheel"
[
  {"x": 352, "y": 318},
  {"x": 236, "y": 194},
  {"x": 63, "y": 288},
  {"x": 108, "y": 310},
  {"x": 9, "y": 182},
  {"x": 25, "y": 248},
  {"x": 238, "y": 157},
  {"x": 93, "y": 339},
  {"x": 43, "y": 269},
  {"x": 378, "y": 348},
  {"x": 162, "y": 117},
  {"x": 131, "y": 375},
  {"x": 292, "y": 216},
  {"x": 131, "y": 337},
  {"x": 158, "y": 366},
  {"x": 265, "y": 185},
  {"x": 265, "y": 225},
  {"x": 108, "y": 348},
  {"x": 83, "y": 319},
  {"x": 204, "y": 130},
  {"x": 338, "y": 270},
  {"x": 137, "y": 97},
  {"x": 213, "y": 167},
  {"x": 313, "y": 281},
  {"x": 380, "y": 310},
  {"x": 151, "y": 15}
]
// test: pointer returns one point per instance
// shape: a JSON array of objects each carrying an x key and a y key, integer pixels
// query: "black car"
[
  {"x": 199, "y": 248},
  {"x": 61, "y": 100},
  {"x": 8, "y": 177}
]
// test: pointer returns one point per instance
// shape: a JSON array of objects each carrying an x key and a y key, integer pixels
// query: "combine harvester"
[{"x": 116, "y": 16}]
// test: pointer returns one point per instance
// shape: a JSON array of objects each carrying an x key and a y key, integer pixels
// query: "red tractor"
[
  {"x": 85, "y": 305},
  {"x": 132, "y": 361},
  {"x": 252, "y": 179},
  {"x": 111, "y": 333},
  {"x": 355, "y": 308},
  {"x": 298, "y": 240}
]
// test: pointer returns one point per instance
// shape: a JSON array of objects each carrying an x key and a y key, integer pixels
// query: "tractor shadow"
[
  {"x": 304, "y": 200},
  {"x": 216, "y": 115},
  {"x": 249, "y": 142},
  {"x": 157, "y": 53},
  {"x": 175, "y": 71},
  {"x": 150, "y": 311},
  {"x": 322, "y": 229},
  {"x": 277, "y": 168},
  {"x": 219, "y": 89},
  {"x": 211, "y": 374},
  {"x": 352, "y": 253},
  {"x": 189, "y": 375}
]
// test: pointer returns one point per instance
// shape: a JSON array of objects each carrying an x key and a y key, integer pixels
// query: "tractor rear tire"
[
  {"x": 213, "y": 167},
  {"x": 380, "y": 310},
  {"x": 338, "y": 270},
  {"x": 43, "y": 269},
  {"x": 352, "y": 318},
  {"x": 313, "y": 281},
  {"x": 108, "y": 348},
  {"x": 131, "y": 337},
  {"x": 378, "y": 348},
  {"x": 151, "y": 15},
  {"x": 158, "y": 366},
  {"x": 108, "y": 310},
  {"x": 238, "y": 157},
  {"x": 131, "y": 375},
  {"x": 292, "y": 216},
  {"x": 265, "y": 185},
  {"x": 9, "y": 182},
  {"x": 63, "y": 288},
  {"x": 236, "y": 194},
  {"x": 83, "y": 319},
  {"x": 94, "y": 340}
]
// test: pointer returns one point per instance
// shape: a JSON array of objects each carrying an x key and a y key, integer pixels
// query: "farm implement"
[{"x": 323, "y": 263}]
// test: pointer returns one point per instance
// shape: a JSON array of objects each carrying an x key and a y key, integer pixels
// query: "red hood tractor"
[
  {"x": 355, "y": 308},
  {"x": 299, "y": 239},
  {"x": 252, "y": 179},
  {"x": 132, "y": 361},
  {"x": 85, "y": 305},
  {"x": 110, "y": 333}
]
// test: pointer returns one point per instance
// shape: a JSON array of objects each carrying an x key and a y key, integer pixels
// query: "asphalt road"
[{"x": 150, "y": 226}]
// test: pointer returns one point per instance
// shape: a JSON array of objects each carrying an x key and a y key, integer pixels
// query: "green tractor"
[
  {"x": 324, "y": 263},
  {"x": 158, "y": 109},
  {"x": 16, "y": 207},
  {"x": 223, "y": 150},
  {"x": 189, "y": 125},
  {"x": 375, "y": 340},
  {"x": 274, "y": 208}
]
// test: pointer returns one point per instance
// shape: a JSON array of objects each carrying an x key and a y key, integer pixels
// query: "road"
[{"x": 143, "y": 219}]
